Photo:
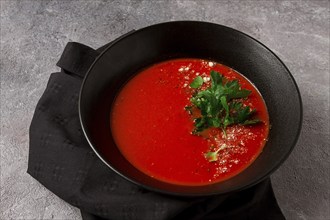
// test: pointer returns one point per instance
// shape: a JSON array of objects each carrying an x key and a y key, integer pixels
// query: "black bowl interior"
[{"x": 126, "y": 57}]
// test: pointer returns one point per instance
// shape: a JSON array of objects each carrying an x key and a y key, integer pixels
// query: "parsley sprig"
[{"x": 220, "y": 105}]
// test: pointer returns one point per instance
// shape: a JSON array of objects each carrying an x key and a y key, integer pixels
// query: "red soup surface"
[{"x": 153, "y": 130}]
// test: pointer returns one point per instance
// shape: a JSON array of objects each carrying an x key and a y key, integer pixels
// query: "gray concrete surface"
[{"x": 34, "y": 33}]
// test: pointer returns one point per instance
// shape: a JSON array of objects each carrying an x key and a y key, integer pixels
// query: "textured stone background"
[{"x": 34, "y": 33}]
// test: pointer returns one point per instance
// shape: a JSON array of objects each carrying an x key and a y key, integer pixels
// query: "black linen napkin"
[{"x": 61, "y": 159}]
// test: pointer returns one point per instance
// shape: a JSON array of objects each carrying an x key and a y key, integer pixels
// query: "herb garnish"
[
  {"x": 220, "y": 105},
  {"x": 198, "y": 82},
  {"x": 213, "y": 155}
]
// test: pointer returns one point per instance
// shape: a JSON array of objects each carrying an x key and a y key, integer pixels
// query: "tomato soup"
[{"x": 153, "y": 130}]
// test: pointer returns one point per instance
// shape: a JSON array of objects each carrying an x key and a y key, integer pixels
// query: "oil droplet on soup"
[{"x": 153, "y": 130}]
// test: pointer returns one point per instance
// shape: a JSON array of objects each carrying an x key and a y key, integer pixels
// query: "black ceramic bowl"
[{"x": 189, "y": 39}]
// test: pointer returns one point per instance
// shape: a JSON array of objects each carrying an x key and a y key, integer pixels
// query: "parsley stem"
[{"x": 224, "y": 132}]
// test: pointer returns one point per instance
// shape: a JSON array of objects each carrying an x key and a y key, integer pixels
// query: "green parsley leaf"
[
  {"x": 216, "y": 78},
  {"x": 233, "y": 90},
  {"x": 219, "y": 104},
  {"x": 198, "y": 82},
  {"x": 252, "y": 122}
]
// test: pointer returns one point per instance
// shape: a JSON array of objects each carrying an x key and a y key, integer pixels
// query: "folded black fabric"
[{"x": 61, "y": 159}]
